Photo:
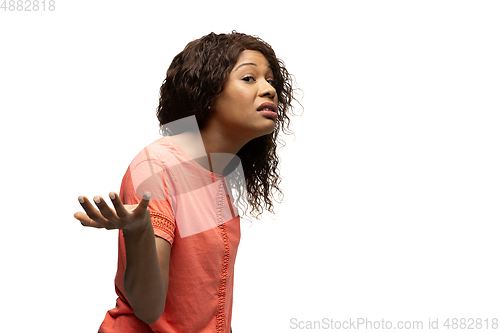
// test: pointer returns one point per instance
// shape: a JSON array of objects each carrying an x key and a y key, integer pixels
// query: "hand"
[{"x": 129, "y": 218}]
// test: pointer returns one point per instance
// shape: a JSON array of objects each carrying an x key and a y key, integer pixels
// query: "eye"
[
  {"x": 248, "y": 78},
  {"x": 272, "y": 82}
]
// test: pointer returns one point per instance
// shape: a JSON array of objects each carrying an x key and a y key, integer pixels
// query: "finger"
[
  {"x": 107, "y": 212},
  {"x": 143, "y": 205},
  {"x": 94, "y": 214},
  {"x": 120, "y": 209},
  {"x": 86, "y": 221}
]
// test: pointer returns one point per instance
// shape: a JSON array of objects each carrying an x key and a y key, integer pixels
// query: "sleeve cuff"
[{"x": 163, "y": 226}]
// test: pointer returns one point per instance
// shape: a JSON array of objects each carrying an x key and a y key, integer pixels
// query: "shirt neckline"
[{"x": 189, "y": 159}]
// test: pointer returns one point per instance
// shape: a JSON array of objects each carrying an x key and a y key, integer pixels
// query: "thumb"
[{"x": 143, "y": 205}]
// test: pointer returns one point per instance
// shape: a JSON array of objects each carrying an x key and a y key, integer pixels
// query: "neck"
[
  {"x": 217, "y": 142},
  {"x": 209, "y": 148},
  {"x": 220, "y": 148}
]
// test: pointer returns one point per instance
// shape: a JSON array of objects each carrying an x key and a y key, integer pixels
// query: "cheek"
[
  {"x": 238, "y": 97},
  {"x": 244, "y": 96}
]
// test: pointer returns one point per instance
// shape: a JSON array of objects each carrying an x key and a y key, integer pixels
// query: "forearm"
[{"x": 143, "y": 280}]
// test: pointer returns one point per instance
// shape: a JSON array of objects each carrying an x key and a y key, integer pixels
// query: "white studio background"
[{"x": 391, "y": 184}]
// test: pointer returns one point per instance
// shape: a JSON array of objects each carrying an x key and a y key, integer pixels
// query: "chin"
[
  {"x": 266, "y": 130},
  {"x": 255, "y": 130}
]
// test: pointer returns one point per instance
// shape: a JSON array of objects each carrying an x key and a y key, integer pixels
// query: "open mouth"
[{"x": 270, "y": 107}]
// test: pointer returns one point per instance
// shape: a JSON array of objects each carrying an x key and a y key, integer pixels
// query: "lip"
[
  {"x": 268, "y": 105},
  {"x": 269, "y": 114}
]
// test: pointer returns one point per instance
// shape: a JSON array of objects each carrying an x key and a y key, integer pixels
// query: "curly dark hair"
[{"x": 197, "y": 76}]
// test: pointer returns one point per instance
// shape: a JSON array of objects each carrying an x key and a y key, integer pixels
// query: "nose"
[{"x": 267, "y": 90}]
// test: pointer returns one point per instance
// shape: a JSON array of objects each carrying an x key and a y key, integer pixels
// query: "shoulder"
[{"x": 160, "y": 152}]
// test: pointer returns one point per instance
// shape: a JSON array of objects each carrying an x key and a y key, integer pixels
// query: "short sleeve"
[{"x": 148, "y": 174}]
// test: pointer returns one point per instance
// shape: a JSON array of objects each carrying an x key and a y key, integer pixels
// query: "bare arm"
[{"x": 145, "y": 279}]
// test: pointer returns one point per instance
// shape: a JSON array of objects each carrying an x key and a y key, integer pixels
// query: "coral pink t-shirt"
[{"x": 191, "y": 209}]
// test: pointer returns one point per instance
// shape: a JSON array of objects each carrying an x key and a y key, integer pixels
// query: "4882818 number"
[
  {"x": 28, "y": 5},
  {"x": 471, "y": 323}
]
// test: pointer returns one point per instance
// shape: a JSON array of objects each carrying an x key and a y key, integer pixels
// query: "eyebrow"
[{"x": 248, "y": 64}]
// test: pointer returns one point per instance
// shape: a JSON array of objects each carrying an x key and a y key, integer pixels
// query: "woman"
[{"x": 224, "y": 95}]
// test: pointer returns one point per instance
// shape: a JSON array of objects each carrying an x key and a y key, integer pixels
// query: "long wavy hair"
[{"x": 197, "y": 76}]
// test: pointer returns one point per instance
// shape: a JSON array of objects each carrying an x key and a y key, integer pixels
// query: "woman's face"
[{"x": 238, "y": 111}]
